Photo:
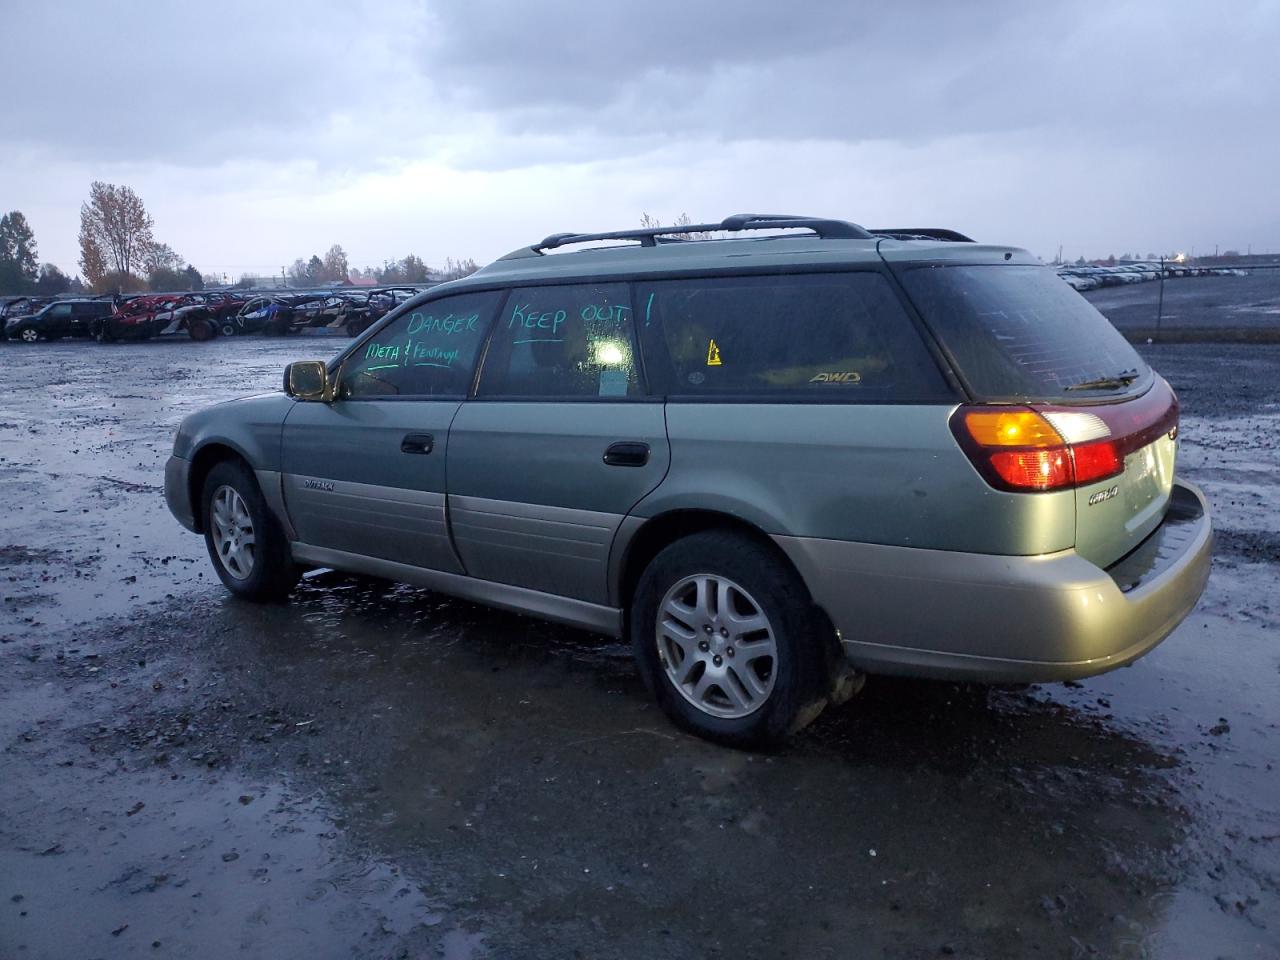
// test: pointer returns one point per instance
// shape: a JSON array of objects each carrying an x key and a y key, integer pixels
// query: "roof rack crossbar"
[
  {"x": 921, "y": 233},
  {"x": 651, "y": 236}
]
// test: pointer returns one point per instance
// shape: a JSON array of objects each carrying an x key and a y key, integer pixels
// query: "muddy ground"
[{"x": 376, "y": 771}]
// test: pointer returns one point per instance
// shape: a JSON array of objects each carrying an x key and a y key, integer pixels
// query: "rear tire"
[
  {"x": 245, "y": 541},
  {"x": 201, "y": 330},
  {"x": 728, "y": 642}
]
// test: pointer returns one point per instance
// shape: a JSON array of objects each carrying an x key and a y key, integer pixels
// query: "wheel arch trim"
[
  {"x": 640, "y": 539},
  {"x": 214, "y": 451}
]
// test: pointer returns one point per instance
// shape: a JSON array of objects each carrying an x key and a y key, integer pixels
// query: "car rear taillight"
[{"x": 1025, "y": 449}]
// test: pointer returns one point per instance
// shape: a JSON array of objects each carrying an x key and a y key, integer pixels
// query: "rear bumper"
[
  {"x": 1003, "y": 619},
  {"x": 177, "y": 492}
]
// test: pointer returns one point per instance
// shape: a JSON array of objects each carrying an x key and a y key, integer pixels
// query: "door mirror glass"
[{"x": 307, "y": 380}]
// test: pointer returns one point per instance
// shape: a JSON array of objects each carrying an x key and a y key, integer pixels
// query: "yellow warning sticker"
[{"x": 713, "y": 354}]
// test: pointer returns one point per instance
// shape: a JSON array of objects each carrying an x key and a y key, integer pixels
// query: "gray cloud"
[
  {"x": 854, "y": 72},
  {"x": 197, "y": 84},
  {"x": 1092, "y": 124}
]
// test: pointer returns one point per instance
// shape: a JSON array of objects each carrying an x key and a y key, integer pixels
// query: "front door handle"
[
  {"x": 417, "y": 443},
  {"x": 627, "y": 453}
]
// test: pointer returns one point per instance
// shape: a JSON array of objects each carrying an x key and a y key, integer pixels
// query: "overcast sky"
[{"x": 260, "y": 132}]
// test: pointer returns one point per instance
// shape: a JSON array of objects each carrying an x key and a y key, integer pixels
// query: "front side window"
[
  {"x": 829, "y": 336},
  {"x": 566, "y": 341},
  {"x": 429, "y": 351}
]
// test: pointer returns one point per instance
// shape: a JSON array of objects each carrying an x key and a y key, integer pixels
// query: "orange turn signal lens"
[{"x": 1013, "y": 427}]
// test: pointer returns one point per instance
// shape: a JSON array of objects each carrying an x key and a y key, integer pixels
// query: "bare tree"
[
  {"x": 160, "y": 256},
  {"x": 335, "y": 264},
  {"x": 457, "y": 269},
  {"x": 92, "y": 260},
  {"x": 115, "y": 231},
  {"x": 684, "y": 221},
  {"x": 653, "y": 223}
]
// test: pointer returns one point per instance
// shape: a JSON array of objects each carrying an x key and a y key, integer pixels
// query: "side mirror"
[{"x": 308, "y": 380}]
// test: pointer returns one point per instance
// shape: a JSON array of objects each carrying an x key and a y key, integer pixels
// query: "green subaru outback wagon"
[{"x": 777, "y": 461}]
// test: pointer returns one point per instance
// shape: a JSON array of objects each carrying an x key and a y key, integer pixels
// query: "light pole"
[{"x": 1160, "y": 302}]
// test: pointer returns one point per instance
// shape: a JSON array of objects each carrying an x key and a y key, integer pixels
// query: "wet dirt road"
[{"x": 377, "y": 771}]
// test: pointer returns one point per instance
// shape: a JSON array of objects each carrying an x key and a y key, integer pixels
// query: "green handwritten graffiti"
[
  {"x": 605, "y": 313},
  {"x": 448, "y": 324},
  {"x": 524, "y": 317},
  {"x": 379, "y": 351},
  {"x": 423, "y": 355}
]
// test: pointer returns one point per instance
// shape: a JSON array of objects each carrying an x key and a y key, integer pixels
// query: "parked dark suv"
[
  {"x": 62, "y": 318},
  {"x": 776, "y": 464}
]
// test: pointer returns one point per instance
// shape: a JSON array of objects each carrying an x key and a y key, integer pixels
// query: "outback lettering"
[{"x": 1102, "y": 495}]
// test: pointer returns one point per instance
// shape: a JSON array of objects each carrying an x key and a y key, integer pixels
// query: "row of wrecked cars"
[
  {"x": 1090, "y": 277},
  {"x": 198, "y": 316}
]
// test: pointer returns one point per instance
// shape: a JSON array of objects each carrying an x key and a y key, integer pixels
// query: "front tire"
[
  {"x": 246, "y": 544},
  {"x": 728, "y": 642}
]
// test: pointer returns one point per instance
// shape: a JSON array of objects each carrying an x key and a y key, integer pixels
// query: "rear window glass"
[
  {"x": 1020, "y": 331},
  {"x": 830, "y": 336}
]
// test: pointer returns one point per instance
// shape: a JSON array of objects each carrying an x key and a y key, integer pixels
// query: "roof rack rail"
[
  {"x": 921, "y": 233},
  {"x": 652, "y": 236}
]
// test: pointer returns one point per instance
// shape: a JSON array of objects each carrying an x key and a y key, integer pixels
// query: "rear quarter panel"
[{"x": 874, "y": 474}]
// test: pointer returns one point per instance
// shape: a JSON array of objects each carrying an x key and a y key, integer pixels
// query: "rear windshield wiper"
[{"x": 1121, "y": 379}]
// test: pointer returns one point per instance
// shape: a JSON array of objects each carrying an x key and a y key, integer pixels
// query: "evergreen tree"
[{"x": 19, "y": 270}]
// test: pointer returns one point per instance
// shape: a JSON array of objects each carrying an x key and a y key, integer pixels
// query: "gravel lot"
[
  {"x": 377, "y": 771},
  {"x": 1197, "y": 308}
]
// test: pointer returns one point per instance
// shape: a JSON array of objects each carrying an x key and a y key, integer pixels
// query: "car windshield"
[{"x": 1019, "y": 331}]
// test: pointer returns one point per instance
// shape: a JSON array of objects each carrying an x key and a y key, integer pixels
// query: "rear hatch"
[{"x": 1059, "y": 399}]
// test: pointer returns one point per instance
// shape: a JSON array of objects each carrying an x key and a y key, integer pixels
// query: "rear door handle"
[
  {"x": 627, "y": 453},
  {"x": 417, "y": 443}
]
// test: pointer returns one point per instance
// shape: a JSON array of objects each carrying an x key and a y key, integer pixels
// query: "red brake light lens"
[
  {"x": 1096, "y": 461},
  {"x": 1033, "y": 469}
]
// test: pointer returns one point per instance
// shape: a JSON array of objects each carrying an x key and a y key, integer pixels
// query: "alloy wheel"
[
  {"x": 717, "y": 646},
  {"x": 232, "y": 532}
]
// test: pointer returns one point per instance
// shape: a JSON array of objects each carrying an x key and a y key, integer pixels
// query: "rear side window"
[
  {"x": 429, "y": 351},
  {"x": 830, "y": 336},
  {"x": 565, "y": 341},
  {"x": 1018, "y": 331}
]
